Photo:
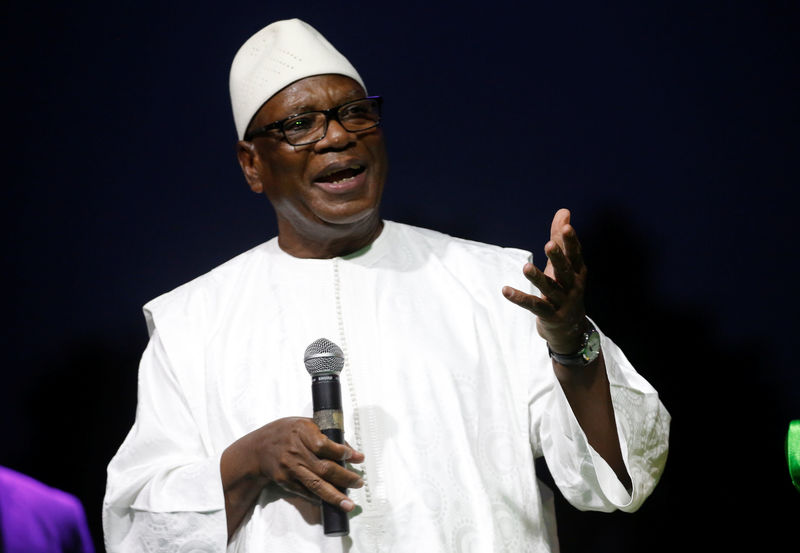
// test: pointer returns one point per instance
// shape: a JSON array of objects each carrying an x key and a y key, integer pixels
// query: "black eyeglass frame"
[{"x": 332, "y": 113}]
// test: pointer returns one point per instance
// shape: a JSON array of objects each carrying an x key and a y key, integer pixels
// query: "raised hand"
[{"x": 560, "y": 311}]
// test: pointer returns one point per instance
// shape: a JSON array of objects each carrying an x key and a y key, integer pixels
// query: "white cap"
[{"x": 276, "y": 56}]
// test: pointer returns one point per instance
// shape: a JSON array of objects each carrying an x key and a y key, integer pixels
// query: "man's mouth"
[{"x": 340, "y": 175}]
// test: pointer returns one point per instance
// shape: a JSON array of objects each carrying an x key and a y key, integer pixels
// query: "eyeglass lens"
[{"x": 353, "y": 116}]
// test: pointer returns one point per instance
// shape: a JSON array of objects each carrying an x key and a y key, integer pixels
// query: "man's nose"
[{"x": 337, "y": 136}]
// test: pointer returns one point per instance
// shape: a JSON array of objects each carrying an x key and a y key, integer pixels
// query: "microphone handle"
[{"x": 327, "y": 401}]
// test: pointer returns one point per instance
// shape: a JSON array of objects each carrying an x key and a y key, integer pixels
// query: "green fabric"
[{"x": 793, "y": 452}]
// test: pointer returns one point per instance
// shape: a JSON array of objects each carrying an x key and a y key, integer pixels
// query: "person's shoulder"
[
  {"x": 25, "y": 492},
  {"x": 32, "y": 512},
  {"x": 448, "y": 247},
  {"x": 217, "y": 286},
  {"x": 478, "y": 267}
]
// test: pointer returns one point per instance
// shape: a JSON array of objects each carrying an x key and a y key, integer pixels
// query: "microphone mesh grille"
[{"x": 323, "y": 357}]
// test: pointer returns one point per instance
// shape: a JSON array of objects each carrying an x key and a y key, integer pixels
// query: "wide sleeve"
[
  {"x": 164, "y": 490},
  {"x": 582, "y": 475}
]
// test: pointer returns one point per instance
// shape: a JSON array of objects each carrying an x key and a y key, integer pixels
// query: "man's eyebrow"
[
  {"x": 299, "y": 108},
  {"x": 295, "y": 109}
]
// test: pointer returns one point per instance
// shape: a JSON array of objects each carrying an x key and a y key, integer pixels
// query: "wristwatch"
[{"x": 588, "y": 351}]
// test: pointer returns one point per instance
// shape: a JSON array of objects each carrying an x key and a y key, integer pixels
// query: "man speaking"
[{"x": 462, "y": 361}]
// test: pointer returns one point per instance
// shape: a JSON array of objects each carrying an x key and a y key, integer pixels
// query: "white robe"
[{"x": 447, "y": 389}]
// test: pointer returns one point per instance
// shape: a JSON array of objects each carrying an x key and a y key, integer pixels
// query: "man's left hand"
[{"x": 560, "y": 312}]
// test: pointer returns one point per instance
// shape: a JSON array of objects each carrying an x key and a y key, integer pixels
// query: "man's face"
[{"x": 336, "y": 181}]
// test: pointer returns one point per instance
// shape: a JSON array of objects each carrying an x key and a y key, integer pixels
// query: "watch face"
[{"x": 592, "y": 349}]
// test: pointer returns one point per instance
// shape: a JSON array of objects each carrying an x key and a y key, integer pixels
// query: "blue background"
[{"x": 670, "y": 129}]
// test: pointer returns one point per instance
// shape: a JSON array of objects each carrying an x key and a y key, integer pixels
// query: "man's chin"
[{"x": 350, "y": 216}]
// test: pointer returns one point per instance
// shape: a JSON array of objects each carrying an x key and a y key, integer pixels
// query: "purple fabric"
[{"x": 36, "y": 518}]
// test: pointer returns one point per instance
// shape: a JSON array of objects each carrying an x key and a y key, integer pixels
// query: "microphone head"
[{"x": 323, "y": 357}]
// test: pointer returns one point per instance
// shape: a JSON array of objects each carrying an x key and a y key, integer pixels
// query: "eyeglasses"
[{"x": 312, "y": 126}]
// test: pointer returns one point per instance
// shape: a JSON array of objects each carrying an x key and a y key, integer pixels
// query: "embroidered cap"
[{"x": 276, "y": 56}]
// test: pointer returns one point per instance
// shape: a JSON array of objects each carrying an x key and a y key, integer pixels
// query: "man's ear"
[{"x": 250, "y": 164}]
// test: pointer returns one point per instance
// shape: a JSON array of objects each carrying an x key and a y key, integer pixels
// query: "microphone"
[{"x": 324, "y": 361}]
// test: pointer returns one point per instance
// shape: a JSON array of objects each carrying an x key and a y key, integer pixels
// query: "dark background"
[{"x": 670, "y": 129}]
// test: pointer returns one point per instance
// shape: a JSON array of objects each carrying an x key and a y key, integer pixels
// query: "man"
[{"x": 450, "y": 390}]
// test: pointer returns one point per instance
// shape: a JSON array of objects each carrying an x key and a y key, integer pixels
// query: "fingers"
[
  {"x": 328, "y": 462},
  {"x": 562, "y": 283},
  {"x": 324, "y": 470},
  {"x": 299, "y": 490},
  {"x": 563, "y": 272},
  {"x": 572, "y": 247},
  {"x": 561, "y": 218},
  {"x": 537, "y": 306},
  {"x": 553, "y": 291},
  {"x": 328, "y": 449},
  {"x": 299, "y": 458},
  {"x": 563, "y": 234},
  {"x": 327, "y": 480},
  {"x": 558, "y": 227}
]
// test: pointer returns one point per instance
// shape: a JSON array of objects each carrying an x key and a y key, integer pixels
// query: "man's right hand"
[{"x": 292, "y": 453}]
